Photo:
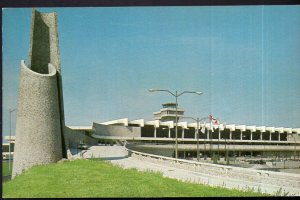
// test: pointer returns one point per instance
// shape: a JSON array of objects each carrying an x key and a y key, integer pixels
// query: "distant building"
[
  {"x": 168, "y": 113},
  {"x": 157, "y": 137},
  {"x": 5, "y": 147}
]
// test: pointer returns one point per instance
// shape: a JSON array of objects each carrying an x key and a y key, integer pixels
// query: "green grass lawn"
[
  {"x": 97, "y": 178},
  {"x": 5, "y": 169}
]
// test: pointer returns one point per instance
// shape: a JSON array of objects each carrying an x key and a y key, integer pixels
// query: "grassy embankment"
[{"x": 96, "y": 178}]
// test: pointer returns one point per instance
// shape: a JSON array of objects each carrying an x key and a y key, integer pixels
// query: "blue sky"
[{"x": 245, "y": 59}]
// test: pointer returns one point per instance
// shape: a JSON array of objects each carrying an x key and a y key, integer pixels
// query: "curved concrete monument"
[{"x": 40, "y": 115}]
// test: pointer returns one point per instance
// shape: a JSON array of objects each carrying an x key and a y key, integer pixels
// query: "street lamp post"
[
  {"x": 176, "y": 95},
  {"x": 219, "y": 143},
  {"x": 10, "y": 111},
  {"x": 226, "y": 153},
  {"x": 295, "y": 147},
  {"x": 198, "y": 156},
  {"x": 197, "y": 133}
]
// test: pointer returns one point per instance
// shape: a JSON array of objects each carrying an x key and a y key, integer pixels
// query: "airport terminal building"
[{"x": 158, "y": 136}]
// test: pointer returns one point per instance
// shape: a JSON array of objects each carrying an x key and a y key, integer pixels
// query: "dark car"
[{"x": 83, "y": 147}]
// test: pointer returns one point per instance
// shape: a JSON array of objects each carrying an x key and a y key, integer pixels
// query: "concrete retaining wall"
[
  {"x": 289, "y": 164},
  {"x": 222, "y": 147}
]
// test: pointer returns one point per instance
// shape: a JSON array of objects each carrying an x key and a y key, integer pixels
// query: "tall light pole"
[
  {"x": 10, "y": 111},
  {"x": 197, "y": 132},
  {"x": 295, "y": 148},
  {"x": 176, "y": 95},
  {"x": 226, "y": 152}
]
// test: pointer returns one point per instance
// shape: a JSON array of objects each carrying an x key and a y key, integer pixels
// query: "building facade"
[{"x": 158, "y": 136}]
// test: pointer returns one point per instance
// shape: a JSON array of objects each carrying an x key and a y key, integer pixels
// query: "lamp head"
[
  {"x": 199, "y": 93},
  {"x": 151, "y": 90}
]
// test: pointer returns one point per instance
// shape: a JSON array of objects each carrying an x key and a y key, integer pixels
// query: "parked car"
[{"x": 83, "y": 146}]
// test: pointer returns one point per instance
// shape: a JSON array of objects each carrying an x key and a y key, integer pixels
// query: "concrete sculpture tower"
[{"x": 40, "y": 114}]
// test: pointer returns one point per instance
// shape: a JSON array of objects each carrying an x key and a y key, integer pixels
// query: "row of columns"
[{"x": 219, "y": 136}]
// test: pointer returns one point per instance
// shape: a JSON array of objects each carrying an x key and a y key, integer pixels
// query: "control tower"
[{"x": 168, "y": 112}]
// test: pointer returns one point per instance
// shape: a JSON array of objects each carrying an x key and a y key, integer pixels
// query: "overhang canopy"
[
  {"x": 251, "y": 128},
  {"x": 271, "y": 129},
  {"x": 140, "y": 122},
  {"x": 231, "y": 127},
  {"x": 155, "y": 123},
  {"x": 241, "y": 127},
  {"x": 280, "y": 129},
  {"x": 170, "y": 124},
  {"x": 296, "y": 130},
  {"x": 183, "y": 124},
  {"x": 261, "y": 128},
  {"x": 123, "y": 121},
  {"x": 288, "y": 130}
]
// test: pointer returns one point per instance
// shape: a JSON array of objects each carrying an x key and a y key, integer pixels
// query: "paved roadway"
[{"x": 118, "y": 156}]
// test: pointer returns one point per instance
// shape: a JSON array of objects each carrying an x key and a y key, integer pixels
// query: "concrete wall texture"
[
  {"x": 116, "y": 130},
  {"x": 38, "y": 131},
  {"x": 44, "y": 49},
  {"x": 39, "y": 123},
  {"x": 74, "y": 137}
]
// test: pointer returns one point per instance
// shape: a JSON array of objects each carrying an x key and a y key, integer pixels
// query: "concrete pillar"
[
  {"x": 214, "y": 158},
  {"x": 208, "y": 134},
  {"x": 230, "y": 135},
  {"x": 278, "y": 136},
  {"x": 251, "y": 135},
  {"x": 270, "y": 136},
  {"x": 196, "y": 133},
  {"x": 154, "y": 132},
  {"x": 241, "y": 137},
  {"x": 219, "y": 134},
  {"x": 261, "y": 135},
  {"x": 182, "y": 132},
  {"x": 227, "y": 157},
  {"x": 169, "y": 133}
]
